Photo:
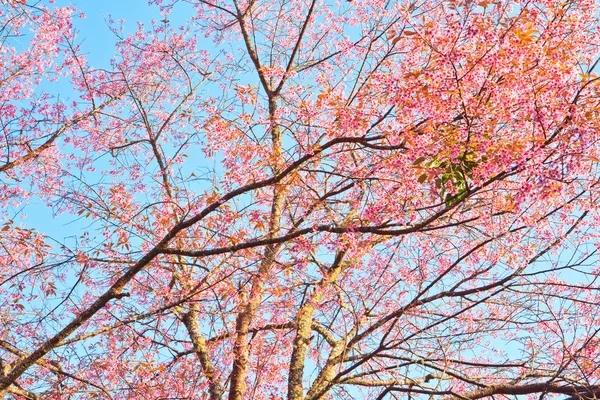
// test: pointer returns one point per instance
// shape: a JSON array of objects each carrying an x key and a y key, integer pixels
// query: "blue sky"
[
  {"x": 97, "y": 43},
  {"x": 96, "y": 38}
]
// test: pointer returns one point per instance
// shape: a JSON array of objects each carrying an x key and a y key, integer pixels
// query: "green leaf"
[
  {"x": 450, "y": 200},
  {"x": 419, "y": 160}
]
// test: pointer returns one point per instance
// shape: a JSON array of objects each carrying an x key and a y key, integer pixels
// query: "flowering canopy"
[{"x": 303, "y": 199}]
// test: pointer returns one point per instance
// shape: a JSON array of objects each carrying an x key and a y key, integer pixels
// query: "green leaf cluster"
[{"x": 457, "y": 173}]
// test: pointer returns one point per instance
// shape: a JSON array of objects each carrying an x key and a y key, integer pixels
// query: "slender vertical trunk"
[
  {"x": 241, "y": 348},
  {"x": 304, "y": 320},
  {"x": 248, "y": 311},
  {"x": 325, "y": 378},
  {"x": 300, "y": 346},
  {"x": 190, "y": 320}
]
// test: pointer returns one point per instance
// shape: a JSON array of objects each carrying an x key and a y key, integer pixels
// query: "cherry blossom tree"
[{"x": 302, "y": 199}]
